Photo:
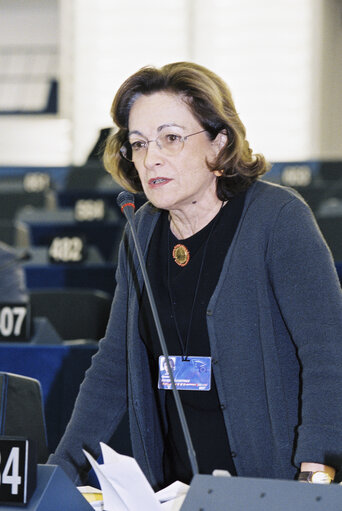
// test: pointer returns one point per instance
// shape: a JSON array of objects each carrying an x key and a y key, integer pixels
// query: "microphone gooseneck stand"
[{"x": 125, "y": 201}]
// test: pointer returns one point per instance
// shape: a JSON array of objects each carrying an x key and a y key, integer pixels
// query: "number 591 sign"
[{"x": 18, "y": 470}]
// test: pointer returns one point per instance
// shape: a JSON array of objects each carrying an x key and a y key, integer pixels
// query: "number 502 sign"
[{"x": 18, "y": 471}]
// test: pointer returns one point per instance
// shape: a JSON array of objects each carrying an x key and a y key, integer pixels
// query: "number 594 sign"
[{"x": 18, "y": 470}]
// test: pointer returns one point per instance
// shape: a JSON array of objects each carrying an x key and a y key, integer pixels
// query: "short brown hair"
[{"x": 211, "y": 103}]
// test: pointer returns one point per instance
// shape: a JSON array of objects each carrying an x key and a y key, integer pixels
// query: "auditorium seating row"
[
  {"x": 66, "y": 226},
  {"x": 42, "y": 205}
]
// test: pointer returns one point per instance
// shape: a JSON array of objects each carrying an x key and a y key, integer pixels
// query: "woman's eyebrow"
[
  {"x": 159, "y": 129},
  {"x": 135, "y": 132},
  {"x": 169, "y": 125}
]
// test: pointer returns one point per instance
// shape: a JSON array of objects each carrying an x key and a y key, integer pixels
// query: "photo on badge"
[{"x": 189, "y": 373}]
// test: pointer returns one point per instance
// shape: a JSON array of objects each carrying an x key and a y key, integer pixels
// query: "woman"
[{"x": 246, "y": 291}]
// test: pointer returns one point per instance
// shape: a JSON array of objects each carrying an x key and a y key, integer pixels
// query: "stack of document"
[
  {"x": 125, "y": 488},
  {"x": 93, "y": 496}
]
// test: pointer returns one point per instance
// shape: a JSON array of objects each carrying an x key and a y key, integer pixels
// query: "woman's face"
[{"x": 177, "y": 181}]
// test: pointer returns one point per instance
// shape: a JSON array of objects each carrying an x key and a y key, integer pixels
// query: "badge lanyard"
[
  {"x": 189, "y": 372},
  {"x": 184, "y": 347}
]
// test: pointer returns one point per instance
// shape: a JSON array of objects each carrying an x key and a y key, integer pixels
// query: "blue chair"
[
  {"x": 21, "y": 411},
  {"x": 59, "y": 369}
]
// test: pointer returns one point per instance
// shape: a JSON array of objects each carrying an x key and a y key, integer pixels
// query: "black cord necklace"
[{"x": 184, "y": 346}]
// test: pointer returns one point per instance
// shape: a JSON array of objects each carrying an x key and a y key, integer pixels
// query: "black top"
[{"x": 168, "y": 280}]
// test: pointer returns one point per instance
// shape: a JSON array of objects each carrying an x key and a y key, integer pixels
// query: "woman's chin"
[{"x": 160, "y": 202}]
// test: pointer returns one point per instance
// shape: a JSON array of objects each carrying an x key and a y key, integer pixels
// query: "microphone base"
[{"x": 212, "y": 493}]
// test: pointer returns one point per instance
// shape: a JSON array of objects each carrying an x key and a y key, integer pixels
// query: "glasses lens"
[
  {"x": 126, "y": 151},
  {"x": 170, "y": 143}
]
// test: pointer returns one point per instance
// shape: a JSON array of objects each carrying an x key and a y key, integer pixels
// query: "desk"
[
  {"x": 44, "y": 225},
  {"x": 60, "y": 370},
  {"x": 66, "y": 198},
  {"x": 93, "y": 273},
  {"x": 13, "y": 197},
  {"x": 57, "y": 175}
]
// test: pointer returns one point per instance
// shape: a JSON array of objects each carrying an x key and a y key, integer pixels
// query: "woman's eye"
[
  {"x": 171, "y": 138},
  {"x": 138, "y": 145}
]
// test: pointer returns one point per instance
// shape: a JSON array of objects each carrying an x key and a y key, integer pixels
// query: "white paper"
[
  {"x": 98, "y": 505},
  {"x": 111, "y": 499},
  {"x": 124, "y": 486},
  {"x": 88, "y": 489},
  {"x": 172, "y": 497},
  {"x": 172, "y": 491},
  {"x": 173, "y": 505}
]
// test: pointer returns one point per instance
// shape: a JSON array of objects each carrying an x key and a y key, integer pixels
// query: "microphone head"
[{"x": 125, "y": 199}]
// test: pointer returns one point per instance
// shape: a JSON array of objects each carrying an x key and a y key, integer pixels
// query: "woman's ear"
[{"x": 220, "y": 141}]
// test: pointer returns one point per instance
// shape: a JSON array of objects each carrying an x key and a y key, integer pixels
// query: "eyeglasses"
[{"x": 170, "y": 143}]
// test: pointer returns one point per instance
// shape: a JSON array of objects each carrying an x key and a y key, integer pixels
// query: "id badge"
[{"x": 190, "y": 373}]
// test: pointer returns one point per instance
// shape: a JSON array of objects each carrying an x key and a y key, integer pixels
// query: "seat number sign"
[
  {"x": 88, "y": 210},
  {"x": 18, "y": 472},
  {"x": 14, "y": 322},
  {"x": 36, "y": 182},
  {"x": 67, "y": 250}
]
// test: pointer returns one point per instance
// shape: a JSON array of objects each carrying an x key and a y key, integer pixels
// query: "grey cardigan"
[{"x": 275, "y": 331}]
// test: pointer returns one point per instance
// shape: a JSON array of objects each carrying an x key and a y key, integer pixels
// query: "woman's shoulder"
[
  {"x": 146, "y": 214},
  {"x": 268, "y": 205},
  {"x": 145, "y": 219},
  {"x": 265, "y": 195}
]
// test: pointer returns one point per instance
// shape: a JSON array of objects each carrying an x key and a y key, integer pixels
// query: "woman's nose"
[{"x": 154, "y": 155}]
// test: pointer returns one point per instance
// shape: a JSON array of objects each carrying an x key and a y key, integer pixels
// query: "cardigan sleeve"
[
  {"x": 102, "y": 399},
  {"x": 308, "y": 292}
]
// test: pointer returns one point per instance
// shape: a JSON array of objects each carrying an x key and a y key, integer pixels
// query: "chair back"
[
  {"x": 75, "y": 313},
  {"x": 22, "y": 412}
]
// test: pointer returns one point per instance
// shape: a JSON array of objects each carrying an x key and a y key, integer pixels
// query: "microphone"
[
  {"x": 125, "y": 201},
  {"x": 24, "y": 256}
]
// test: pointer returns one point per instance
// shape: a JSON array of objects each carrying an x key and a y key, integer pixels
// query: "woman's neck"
[{"x": 187, "y": 222}]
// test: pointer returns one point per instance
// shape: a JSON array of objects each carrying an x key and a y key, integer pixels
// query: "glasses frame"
[{"x": 157, "y": 141}]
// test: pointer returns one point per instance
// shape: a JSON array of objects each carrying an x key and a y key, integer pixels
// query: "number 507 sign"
[
  {"x": 14, "y": 322},
  {"x": 18, "y": 471}
]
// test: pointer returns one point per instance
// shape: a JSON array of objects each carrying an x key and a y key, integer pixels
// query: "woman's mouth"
[{"x": 158, "y": 181}]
